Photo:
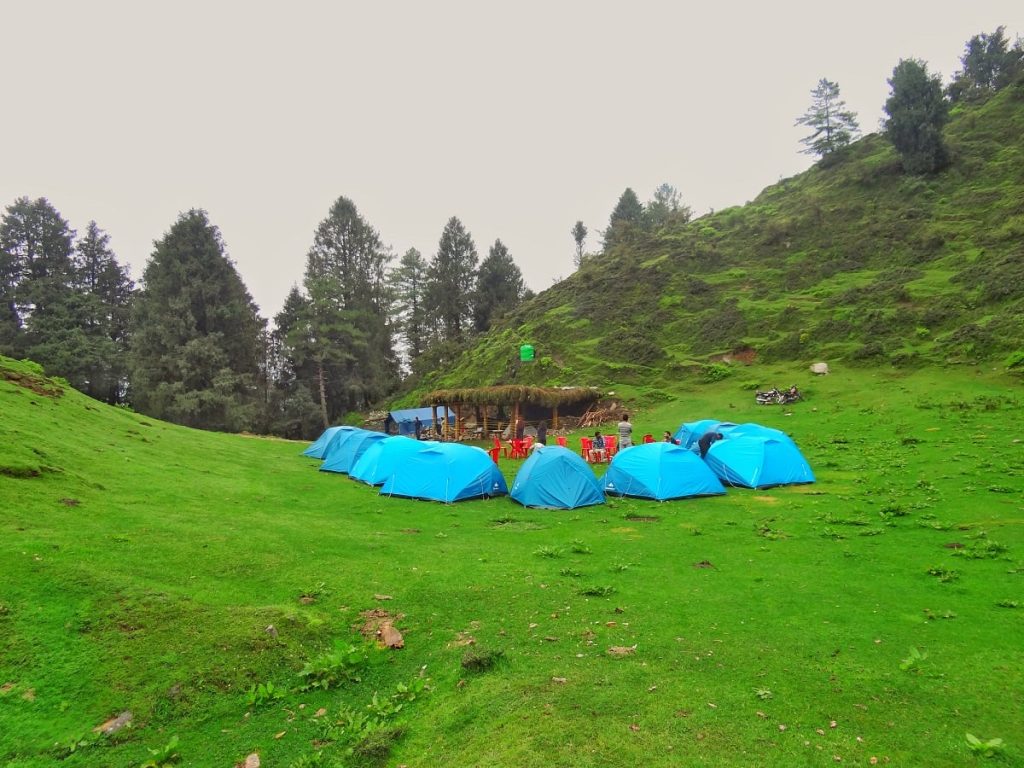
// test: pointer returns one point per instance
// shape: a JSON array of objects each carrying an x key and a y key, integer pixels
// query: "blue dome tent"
[
  {"x": 659, "y": 471},
  {"x": 383, "y": 457},
  {"x": 338, "y": 440},
  {"x": 750, "y": 429},
  {"x": 691, "y": 431},
  {"x": 446, "y": 472},
  {"x": 556, "y": 478},
  {"x": 319, "y": 446},
  {"x": 758, "y": 462},
  {"x": 344, "y": 456}
]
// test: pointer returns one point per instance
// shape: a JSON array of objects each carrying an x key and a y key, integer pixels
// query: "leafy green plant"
[
  {"x": 549, "y": 552},
  {"x": 571, "y": 572},
  {"x": 913, "y": 662},
  {"x": 989, "y": 748},
  {"x": 340, "y": 665},
  {"x": 579, "y": 548},
  {"x": 165, "y": 755},
  {"x": 944, "y": 575},
  {"x": 763, "y": 693},
  {"x": 262, "y": 693}
]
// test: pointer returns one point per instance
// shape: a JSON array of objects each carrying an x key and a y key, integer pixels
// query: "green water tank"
[{"x": 526, "y": 353}]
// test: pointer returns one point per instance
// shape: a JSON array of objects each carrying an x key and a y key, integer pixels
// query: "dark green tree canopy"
[
  {"x": 451, "y": 279},
  {"x": 989, "y": 63},
  {"x": 833, "y": 125},
  {"x": 626, "y": 219},
  {"x": 917, "y": 113},
  {"x": 499, "y": 287},
  {"x": 339, "y": 340},
  {"x": 665, "y": 208},
  {"x": 196, "y": 348},
  {"x": 579, "y": 236},
  {"x": 409, "y": 287}
]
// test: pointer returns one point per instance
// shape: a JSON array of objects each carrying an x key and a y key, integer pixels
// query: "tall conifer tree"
[
  {"x": 499, "y": 287},
  {"x": 451, "y": 277},
  {"x": 195, "y": 349}
]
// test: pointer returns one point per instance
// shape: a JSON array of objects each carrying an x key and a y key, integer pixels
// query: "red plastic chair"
[
  {"x": 499, "y": 448},
  {"x": 609, "y": 448},
  {"x": 560, "y": 440},
  {"x": 586, "y": 446},
  {"x": 518, "y": 449},
  {"x": 648, "y": 438},
  {"x": 494, "y": 453}
]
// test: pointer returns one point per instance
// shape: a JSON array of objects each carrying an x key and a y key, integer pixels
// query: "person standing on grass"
[
  {"x": 418, "y": 426},
  {"x": 542, "y": 433},
  {"x": 625, "y": 432},
  {"x": 520, "y": 428}
]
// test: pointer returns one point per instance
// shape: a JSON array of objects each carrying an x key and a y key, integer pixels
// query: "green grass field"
[{"x": 876, "y": 616}]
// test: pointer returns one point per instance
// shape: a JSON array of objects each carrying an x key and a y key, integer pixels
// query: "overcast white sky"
[{"x": 519, "y": 118}]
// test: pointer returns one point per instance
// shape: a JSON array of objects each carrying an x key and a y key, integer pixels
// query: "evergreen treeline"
[{"x": 189, "y": 346}]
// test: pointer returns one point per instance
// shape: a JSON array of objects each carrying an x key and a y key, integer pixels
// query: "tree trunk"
[{"x": 323, "y": 392}]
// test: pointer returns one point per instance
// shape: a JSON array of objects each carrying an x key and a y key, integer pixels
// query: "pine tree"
[
  {"x": 195, "y": 348},
  {"x": 665, "y": 208},
  {"x": 579, "y": 235},
  {"x": 105, "y": 291},
  {"x": 626, "y": 220},
  {"x": 341, "y": 341},
  {"x": 988, "y": 65},
  {"x": 499, "y": 287},
  {"x": 833, "y": 124},
  {"x": 409, "y": 286},
  {"x": 40, "y": 304},
  {"x": 450, "y": 281},
  {"x": 917, "y": 113}
]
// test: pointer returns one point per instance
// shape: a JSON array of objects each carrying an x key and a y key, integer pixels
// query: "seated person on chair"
[{"x": 597, "y": 450}]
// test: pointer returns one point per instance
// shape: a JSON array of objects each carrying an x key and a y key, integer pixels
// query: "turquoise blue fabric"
[
  {"x": 758, "y": 462},
  {"x": 319, "y": 446},
  {"x": 446, "y": 472},
  {"x": 691, "y": 431},
  {"x": 383, "y": 457},
  {"x": 344, "y": 457},
  {"x": 659, "y": 471},
  {"x": 554, "y": 477}
]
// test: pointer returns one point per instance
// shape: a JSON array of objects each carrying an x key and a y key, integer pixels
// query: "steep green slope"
[
  {"x": 143, "y": 565},
  {"x": 850, "y": 260}
]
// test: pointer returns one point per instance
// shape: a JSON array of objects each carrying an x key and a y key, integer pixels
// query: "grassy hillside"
[
  {"x": 873, "y": 616},
  {"x": 851, "y": 260}
]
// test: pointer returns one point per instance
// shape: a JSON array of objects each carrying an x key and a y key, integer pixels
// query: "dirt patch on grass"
[
  {"x": 38, "y": 384},
  {"x": 703, "y": 564},
  {"x": 374, "y": 619},
  {"x": 766, "y": 499},
  {"x": 643, "y": 518}
]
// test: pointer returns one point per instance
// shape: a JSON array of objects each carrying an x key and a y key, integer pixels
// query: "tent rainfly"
[
  {"x": 382, "y": 459},
  {"x": 446, "y": 472},
  {"x": 344, "y": 458},
  {"x": 758, "y": 462},
  {"x": 660, "y": 471},
  {"x": 556, "y": 478},
  {"x": 319, "y": 446}
]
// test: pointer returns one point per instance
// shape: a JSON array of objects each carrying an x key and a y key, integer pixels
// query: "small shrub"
[
  {"x": 579, "y": 548},
  {"x": 329, "y": 670},
  {"x": 481, "y": 659},
  {"x": 944, "y": 575},
  {"x": 262, "y": 693},
  {"x": 549, "y": 552},
  {"x": 597, "y": 591},
  {"x": 989, "y": 748},
  {"x": 913, "y": 662}
]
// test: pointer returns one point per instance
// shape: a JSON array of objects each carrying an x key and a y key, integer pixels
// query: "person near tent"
[
  {"x": 542, "y": 433},
  {"x": 418, "y": 426},
  {"x": 709, "y": 437},
  {"x": 597, "y": 447},
  {"x": 667, "y": 437},
  {"x": 625, "y": 432}
]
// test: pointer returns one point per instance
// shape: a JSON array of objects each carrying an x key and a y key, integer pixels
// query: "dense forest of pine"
[{"x": 189, "y": 345}]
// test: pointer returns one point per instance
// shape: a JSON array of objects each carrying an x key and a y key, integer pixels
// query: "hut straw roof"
[{"x": 550, "y": 397}]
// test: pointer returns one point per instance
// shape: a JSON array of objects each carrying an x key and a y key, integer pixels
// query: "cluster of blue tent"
[{"x": 553, "y": 477}]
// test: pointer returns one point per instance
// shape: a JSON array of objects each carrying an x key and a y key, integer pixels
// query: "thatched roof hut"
[{"x": 514, "y": 395}]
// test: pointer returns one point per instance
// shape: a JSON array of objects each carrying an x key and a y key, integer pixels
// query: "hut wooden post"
[
  {"x": 485, "y": 433},
  {"x": 433, "y": 411},
  {"x": 554, "y": 417},
  {"x": 458, "y": 421}
]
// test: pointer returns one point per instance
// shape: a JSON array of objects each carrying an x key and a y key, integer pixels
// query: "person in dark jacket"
[
  {"x": 706, "y": 440},
  {"x": 542, "y": 433},
  {"x": 418, "y": 426}
]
